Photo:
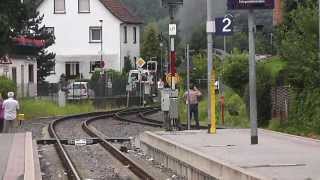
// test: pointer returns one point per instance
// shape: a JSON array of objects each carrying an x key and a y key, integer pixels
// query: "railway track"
[{"x": 122, "y": 115}]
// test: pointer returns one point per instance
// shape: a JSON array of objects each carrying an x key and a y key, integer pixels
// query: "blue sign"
[
  {"x": 250, "y": 4},
  {"x": 224, "y": 26}
]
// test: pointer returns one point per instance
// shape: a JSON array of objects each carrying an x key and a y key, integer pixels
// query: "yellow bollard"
[
  {"x": 213, "y": 128},
  {"x": 20, "y": 118}
]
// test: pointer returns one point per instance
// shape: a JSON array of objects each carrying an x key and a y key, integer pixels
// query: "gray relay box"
[
  {"x": 165, "y": 99},
  {"x": 174, "y": 110}
]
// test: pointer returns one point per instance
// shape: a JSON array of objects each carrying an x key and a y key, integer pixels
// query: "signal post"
[{"x": 169, "y": 97}]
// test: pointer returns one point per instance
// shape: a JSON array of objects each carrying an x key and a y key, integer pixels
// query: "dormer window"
[
  {"x": 83, "y": 6},
  {"x": 59, "y": 6}
]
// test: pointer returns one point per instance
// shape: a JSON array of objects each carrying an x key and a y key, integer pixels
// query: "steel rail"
[
  {"x": 72, "y": 172},
  {"x": 68, "y": 164},
  {"x": 134, "y": 167},
  {"x": 149, "y": 122}
]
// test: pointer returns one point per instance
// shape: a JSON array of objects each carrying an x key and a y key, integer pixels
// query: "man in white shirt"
[{"x": 10, "y": 106}]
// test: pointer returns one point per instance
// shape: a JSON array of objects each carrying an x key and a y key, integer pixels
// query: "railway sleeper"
[{"x": 80, "y": 142}]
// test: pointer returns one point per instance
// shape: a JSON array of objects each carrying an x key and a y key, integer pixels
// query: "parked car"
[{"x": 78, "y": 90}]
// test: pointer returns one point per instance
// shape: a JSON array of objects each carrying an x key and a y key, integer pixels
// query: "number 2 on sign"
[{"x": 226, "y": 27}]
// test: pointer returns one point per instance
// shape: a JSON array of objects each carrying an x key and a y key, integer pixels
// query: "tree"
[
  {"x": 236, "y": 76},
  {"x": 198, "y": 39},
  {"x": 6, "y": 85},
  {"x": 127, "y": 65},
  {"x": 22, "y": 19},
  {"x": 299, "y": 46},
  {"x": 13, "y": 16},
  {"x": 150, "y": 43}
]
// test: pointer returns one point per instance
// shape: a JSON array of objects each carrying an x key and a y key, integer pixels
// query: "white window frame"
[
  {"x": 90, "y": 34},
  {"x": 59, "y": 11},
  {"x": 84, "y": 11},
  {"x": 134, "y": 35},
  {"x": 93, "y": 65}
]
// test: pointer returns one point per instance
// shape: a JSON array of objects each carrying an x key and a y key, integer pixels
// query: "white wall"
[
  {"x": 24, "y": 87},
  {"x": 129, "y": 48},
  {"x": 72, "y": 36}
]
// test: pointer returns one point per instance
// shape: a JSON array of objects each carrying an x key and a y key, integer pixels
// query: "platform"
[
  {"x": 19, "y": 158},
  {"x": 228, "y": 155}
]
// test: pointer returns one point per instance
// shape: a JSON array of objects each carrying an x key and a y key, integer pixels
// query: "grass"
[
  {"x": 44, "y": 108},
  {"x": 291, "y": 128},
  {"x": 233, "y": 103}
]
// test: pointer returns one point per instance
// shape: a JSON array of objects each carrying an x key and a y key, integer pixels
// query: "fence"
[
  {"x": 108, "y": 90},
  {"x": 280, "y": 101}
]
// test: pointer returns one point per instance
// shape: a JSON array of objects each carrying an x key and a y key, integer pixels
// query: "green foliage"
[
  {"x": 236, "y": 76},
  {"x": 299, "y": 45},
  {"x": 6, "y": 85},
  {"x": 45, "y": 108},
  {"x": 304, "y": 115},
  {"x": 18, "y": 19},
  {"x": 199, "y": 67},
  {"x": 127, "y": 65},
  {"x": 235, "y": 110},
  {"x": 146, "y": 9},
  {"x": 150, "y": 43},
  {"x": 198, "y": 39},
  {"x": 236, "y": 72}
]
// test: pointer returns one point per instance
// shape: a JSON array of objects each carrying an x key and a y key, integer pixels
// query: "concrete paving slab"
[
  {"x": 277, "y": 156},
  {"x": 5, "y": 148},
  {"x": 18, "y": 157}
]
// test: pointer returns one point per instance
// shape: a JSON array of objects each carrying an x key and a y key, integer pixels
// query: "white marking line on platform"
[
  {"x": 29, "y": 159},
  {"x": 228, "y": 145},
  {"x": 272, "y": 165}
]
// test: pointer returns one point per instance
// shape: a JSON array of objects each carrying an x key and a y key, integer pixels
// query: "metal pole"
[
  {"x": 188, "y": 86},
  {"x": 161, "y": 64},
  {"x": 210, "y": 45},
  {"x": 221, "y": 81},
  {"x": 252, "y": 79}
]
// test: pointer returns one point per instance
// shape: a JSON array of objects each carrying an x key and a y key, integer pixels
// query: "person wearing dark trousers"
[
  {"x": 11, "y": 107},
  {"x": 193, "y": 101}
]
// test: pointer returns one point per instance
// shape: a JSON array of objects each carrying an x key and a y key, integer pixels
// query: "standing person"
[
  {"x": 11, "y": 106},
  {"x": 1, "y": 114},
  {"x": 193, "y": 102}
]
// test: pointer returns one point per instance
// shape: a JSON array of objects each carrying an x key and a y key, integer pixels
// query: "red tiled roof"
[{"x": 121, "y": 11}]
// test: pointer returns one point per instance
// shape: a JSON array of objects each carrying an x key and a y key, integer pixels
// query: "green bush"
[
  {"x": 236, "y": 76},
  {"x": 6, "y": 85}
]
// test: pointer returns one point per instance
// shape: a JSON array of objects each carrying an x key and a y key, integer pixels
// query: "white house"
[
  {"x": 23, "y": 71},
  {"x": 77, "y": 26}
]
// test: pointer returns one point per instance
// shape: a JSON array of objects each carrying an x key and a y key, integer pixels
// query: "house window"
[
  {"x": 31, "y": 73},
  {"x": 83, "y": 6},
  {"x": 125, "y": 34},
  {"x": 72, "y": 69},
  {"x": 53, "y": 70},
  {"x": 59, "y": 6},
  {"x": 49, "y": 30},
  {"x": 95, "y": 34},
  {"x": 14, "y": 74},
  {"x": 134, "y": 35},
  {"x": 94, "y": 65}
]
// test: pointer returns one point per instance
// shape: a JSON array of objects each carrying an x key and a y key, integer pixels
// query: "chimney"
[{"x": 277, "y": 13}]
